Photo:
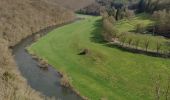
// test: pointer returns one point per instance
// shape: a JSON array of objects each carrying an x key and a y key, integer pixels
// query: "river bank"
[{"x": 46, "y": 82}]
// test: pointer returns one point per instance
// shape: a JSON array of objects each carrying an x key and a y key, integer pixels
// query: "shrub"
[
  {"x": 65, "y": 81},
  {"x": 140, "y": 28}
]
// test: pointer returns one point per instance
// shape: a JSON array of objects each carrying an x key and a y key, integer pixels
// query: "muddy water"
[{"x": 47, "y": 82}]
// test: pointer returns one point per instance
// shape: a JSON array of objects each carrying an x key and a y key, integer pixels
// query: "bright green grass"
[
  {"x": 127, "y": 25},
  {"x": 104, "y": 72}
]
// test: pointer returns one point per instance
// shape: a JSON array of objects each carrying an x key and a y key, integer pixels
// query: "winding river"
[{"x": 45, "y": 81}]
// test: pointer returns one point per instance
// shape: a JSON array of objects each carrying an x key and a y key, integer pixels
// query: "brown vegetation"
[
  {"x": 65, "y": 81},
  {"x": 19, "y": 19},
  {"x": 162, "y": 26},
  {"x": 23, "y": 17},
  {"x": 93, "y": 9},
  {"x": 13, "y": 86},
  {"x": 73, "y": 4}
]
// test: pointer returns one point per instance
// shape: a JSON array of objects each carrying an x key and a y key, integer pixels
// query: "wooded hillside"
[{"x": 19, "y": 19}]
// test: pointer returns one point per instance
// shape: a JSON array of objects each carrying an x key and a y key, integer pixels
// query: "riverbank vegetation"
[
  {"x": 103, "y": 72},
  {"x": 19, "y": 19}
]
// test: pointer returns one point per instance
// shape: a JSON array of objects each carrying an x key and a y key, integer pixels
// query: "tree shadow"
[
  {"x": 97, "y": 32},
  {"x": 137, "y": 51}
]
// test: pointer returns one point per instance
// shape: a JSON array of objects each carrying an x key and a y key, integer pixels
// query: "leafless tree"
[
  {"x": 130, "y": 41},
  {"x": 123, "y": 40},
  {"x": 158, "y": 46},
  {"x": 146, "y": 44}
]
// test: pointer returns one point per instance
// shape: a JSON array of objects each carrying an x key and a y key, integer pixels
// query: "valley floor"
[{"x": 103, "y": 72}]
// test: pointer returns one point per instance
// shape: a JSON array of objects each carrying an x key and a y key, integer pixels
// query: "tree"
[
  {"x": 128, "y": 13},
  {"x": 158, "y": 46},
  {"x": 130, "y": 41},
  {"x": 146, "y": 44},
  {"x": 140, "y": 28},
  {"x": 112, "y": 11},
  {"x": 112, "y": 19},
  {"x": 123, "y": 39},
  {"x": 137, "y": 41},
  {"x": 110, "y": 30},
  {"x": 162, "y": 22},
  {"x": 118, "y": 14},
  {"x": 141, "y": 6}
]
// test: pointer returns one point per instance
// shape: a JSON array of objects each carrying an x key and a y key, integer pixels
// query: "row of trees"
[{"x": 111, "y": 34}]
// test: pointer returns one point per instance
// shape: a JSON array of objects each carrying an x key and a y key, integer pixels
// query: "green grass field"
[
  {"x": 105, "y": 72},
  {"x": 127, "y": 25}
]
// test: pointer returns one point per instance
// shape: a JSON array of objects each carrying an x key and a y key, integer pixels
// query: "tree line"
[{"x": 131, "y": 40}]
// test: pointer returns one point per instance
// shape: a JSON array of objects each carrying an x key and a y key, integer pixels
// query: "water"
[{"x": 45, "y": 81}]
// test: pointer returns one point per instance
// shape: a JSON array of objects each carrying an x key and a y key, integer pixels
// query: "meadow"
[{"x": 104, "y": 73}]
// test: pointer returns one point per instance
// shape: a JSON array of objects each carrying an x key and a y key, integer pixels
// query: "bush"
[
  {"x": 65, "y": 81},
  {"x": 140, "y": 28}
]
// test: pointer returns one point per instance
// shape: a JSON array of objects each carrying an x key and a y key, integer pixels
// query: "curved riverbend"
[{"x": 45, "y": 81}]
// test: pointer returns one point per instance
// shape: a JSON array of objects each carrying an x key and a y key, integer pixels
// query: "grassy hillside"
[{"x": 104, "y": 72}]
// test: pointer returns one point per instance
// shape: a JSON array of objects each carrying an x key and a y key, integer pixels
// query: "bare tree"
[
  {"x": 146, "y": 44},
  {"x": 123, "y": 39},
  {"x": 130, "y": 41},
  {"x": 158, "y": 46}
]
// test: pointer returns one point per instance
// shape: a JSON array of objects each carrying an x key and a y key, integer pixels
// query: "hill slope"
[
  {"x": 19, "y": 19},
  {"x": 73, "y": 4}
]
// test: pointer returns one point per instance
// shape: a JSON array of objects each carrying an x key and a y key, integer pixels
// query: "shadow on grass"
[
  {"x": 137, "y": 51},
  {"x": 97, "y": 33}
]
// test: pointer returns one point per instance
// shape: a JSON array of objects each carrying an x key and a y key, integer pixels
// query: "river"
[{"x": 46, "y": 82}]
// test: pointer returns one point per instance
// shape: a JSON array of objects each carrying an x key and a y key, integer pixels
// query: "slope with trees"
[{"x": 19, "y": 19}]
